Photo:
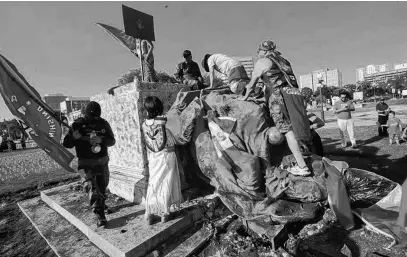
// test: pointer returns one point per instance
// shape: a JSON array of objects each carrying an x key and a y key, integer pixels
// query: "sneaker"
[
  {"x": 100, "y": 215},
  {"x": 343, "y": 145},
  {"x": 297, "y": 171}
]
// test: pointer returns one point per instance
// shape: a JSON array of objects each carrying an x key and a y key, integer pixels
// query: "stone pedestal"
[{"x": 125, "y": 113}]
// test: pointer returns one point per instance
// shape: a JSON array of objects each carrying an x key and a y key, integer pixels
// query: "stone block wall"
[{"x": 125, "y": 113}]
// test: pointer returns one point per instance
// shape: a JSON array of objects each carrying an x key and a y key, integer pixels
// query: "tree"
[
  {"x": 326, "y": 91},
  {"x": 366, "y": 88},
  {"x": 350, "y": 87},
  {"x": 398, "y": 83}
]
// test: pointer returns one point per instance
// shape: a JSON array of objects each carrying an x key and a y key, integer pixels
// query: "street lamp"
[{"x": 320, "y": 80}]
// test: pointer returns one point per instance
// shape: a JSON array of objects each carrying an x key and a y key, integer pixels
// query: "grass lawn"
[
  {"x": 23, "y": 173},
  {"x": 23, "y": 169},
  {"x": 374, "y": 153}
]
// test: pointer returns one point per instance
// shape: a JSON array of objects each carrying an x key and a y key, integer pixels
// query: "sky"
[{"x": 59, "y": 49}]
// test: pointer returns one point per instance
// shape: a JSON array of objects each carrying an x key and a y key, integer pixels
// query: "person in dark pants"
[
  {"x": 383, "y": 111},
  {"x": 91, "y": 136}
]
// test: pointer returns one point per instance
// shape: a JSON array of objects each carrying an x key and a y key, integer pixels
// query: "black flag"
[{"x": 138, "y": 24}]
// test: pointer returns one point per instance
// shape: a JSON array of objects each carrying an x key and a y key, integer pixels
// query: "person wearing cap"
[
  {"x": 284, "y": 101},
  {"x": 188, "y": 72},
  {"x": 382, "y": 110},
  {"x": 91, "y": 136},
  {"x": 229, "y": 70}
]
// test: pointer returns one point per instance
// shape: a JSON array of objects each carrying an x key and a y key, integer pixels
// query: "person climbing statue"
[{"x": 284, "y": 101}]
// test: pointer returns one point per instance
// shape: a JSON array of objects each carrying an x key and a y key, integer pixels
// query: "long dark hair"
[{"x": 153, "y": 106}]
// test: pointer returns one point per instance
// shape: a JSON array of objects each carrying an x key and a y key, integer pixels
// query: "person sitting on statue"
[
  {"x": 164, "y": 184},
  {"x": 284, "y": 101},
  {"x": 91, "y": 136},
  {"x": 229, "y": 70},
  {"x": 188, "y": 72}
]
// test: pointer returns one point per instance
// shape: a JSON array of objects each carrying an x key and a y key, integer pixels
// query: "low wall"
[{"x": 128, "y": 157}]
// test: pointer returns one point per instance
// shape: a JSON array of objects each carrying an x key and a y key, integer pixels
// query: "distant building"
[
  {"x": 380, "y": 73},
  {"x": 400, "y": 66},
  {"x": 334, "y": 78},
  {"x": 369, "y": 70},
  {"x": 72, "y": 104},
  {"x": 384, "y": 76},
  {"x": 248, "y": 64},
  {"x": 53, "y": 100},
  {"x": 331, "y": 78},
  {"x": 306, "y": 81}
]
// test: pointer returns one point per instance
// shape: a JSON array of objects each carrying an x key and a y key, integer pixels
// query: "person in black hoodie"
[{"x": 91, "y": 136}]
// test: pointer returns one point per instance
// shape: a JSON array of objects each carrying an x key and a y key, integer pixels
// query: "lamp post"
[
  {"x": 320, "y": 80},
  {"x": 374, "y": 90}
]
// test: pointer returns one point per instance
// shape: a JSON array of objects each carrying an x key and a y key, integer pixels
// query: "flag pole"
[{"x": 141, "y": 59}]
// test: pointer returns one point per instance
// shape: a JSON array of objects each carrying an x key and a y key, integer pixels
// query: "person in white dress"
[{"x": 164, "y": 185}]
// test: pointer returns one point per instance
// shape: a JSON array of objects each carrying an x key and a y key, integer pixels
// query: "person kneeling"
[{"x": 164, "y": 185}]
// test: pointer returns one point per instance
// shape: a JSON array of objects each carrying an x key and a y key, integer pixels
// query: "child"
[
  {"x": 164, "y": 185},
  {"x": 394, "y": 128}
]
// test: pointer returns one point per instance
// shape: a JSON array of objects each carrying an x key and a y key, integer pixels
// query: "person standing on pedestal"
[
  {"x": 383, "y": 111},
  {"x": 164, "y": 183},
  {"x": 343, "y": 109},
  {"x": 91, "y": 136}
]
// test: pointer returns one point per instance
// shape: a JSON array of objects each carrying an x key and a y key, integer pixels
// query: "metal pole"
[
  {"x": 141, "y": 60},
  {"x": 322, "y": 104}
]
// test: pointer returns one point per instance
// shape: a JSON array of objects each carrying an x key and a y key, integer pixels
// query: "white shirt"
[{"x": 222, "y": 64}]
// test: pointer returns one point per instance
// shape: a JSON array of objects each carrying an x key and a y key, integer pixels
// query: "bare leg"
[{"x": 295, "y": 149}]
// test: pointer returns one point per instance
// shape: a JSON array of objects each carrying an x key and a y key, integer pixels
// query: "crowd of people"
[{"x": 283, "y": 101}]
